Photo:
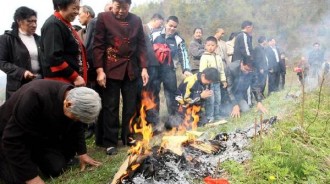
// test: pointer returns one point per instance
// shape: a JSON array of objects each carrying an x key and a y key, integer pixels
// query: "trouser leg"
[
  {"x": 129, "y": 88},
  {"x": 168, "y": 77},
  {"x": 110, "y": 102}
]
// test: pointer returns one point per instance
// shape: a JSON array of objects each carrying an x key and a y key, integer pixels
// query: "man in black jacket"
[
  {"x": 273, "y": 56},
  {"x": 260, "y": 60},
  {"x": 39, "y": 129},
  {"x": 243, "y": 43}
]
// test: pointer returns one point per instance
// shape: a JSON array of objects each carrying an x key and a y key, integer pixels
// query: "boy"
[
  {"x": 192, "y": 91},
  {"x": 211, "y": 59}
]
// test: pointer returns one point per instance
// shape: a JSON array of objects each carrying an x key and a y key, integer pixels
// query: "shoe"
[
  {"x": 131, "y": 141},
  {"x": 211, "y": 120},
  {"x": 111, "y": 151}
]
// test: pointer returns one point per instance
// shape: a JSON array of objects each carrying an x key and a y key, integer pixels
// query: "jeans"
[{"x": 212, "y": 106}]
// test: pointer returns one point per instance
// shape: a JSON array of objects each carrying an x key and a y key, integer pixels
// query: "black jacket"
[
  {"x": 238, "y": 83},
  {"x": 273, "y": 65},
  {"x": 15, "y": 60},
  {"x": 33, "y": 119},
  {"x": 60, "y": 50},
  {"x": 260, "y": 58},
  {"x": 243, "y": 47}
]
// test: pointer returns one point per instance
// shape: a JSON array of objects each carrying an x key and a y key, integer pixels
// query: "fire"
[
  {"x": 190, "y": 122},
  {"x": 174, "y": 139},
  {"x": 142, "y": 126}
]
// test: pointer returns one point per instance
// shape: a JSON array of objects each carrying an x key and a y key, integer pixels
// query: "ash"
[{"x": 165, "y": 167}]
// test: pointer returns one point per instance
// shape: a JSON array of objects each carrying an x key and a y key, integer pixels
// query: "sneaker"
[
  {"x": 131, "y": 141},
  {"x": 210, "y": 120},
  {"x": 111, "y": 151}
]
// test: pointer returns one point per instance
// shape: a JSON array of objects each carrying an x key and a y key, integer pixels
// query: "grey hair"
[
  {"x": 88, "y": 9},
  {"x": 86, "y": 104}
]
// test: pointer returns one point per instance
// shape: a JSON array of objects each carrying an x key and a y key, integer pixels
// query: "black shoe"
[{"x": 111, "y": 151}]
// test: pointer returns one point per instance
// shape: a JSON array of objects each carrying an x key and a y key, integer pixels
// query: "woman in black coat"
[{"x": 20, "y": 50}]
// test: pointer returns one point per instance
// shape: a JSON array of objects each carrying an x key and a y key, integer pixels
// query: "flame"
[
  {"x": 142, "y": 126},
  {"x": 174, "y": 138}
]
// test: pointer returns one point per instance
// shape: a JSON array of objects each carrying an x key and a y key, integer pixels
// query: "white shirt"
[{"x": 31, "y": 45}]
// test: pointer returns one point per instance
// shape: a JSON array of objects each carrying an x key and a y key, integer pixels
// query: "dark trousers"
[
  {"x": 273, "y": 82},
  {"x": 282, "y": 80},
  {"x": 167, "y": 76},
  {"x": 152, "y": 87},
  {"x": 110, "y": 110},
  {"x": 263, "y": 81}
]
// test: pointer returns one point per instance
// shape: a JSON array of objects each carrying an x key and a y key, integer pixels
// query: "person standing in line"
[
  {"x": 223, "y": 53},
  {"x": 315, "y": 60},
  {"x": 20, "y": 54},
  {"x": 273, "y": 56},
  {"x": 196, "y": 50},
  {"x": 230, "y": 45},
  {"x": 170, "y": 50},
  {"x": 64, "y": 55},
  {"x": 85, "y": 17},
  {"x": 282, "y": 70},
  {"x": 261, "y": 62},
  {"x": 243, "y": 43},
  {"x": 210, "y": 59},
  {"x": 119, "y": 52},
  {"x": 154, "y": 25},
  {"x": 222, "y": 46}
]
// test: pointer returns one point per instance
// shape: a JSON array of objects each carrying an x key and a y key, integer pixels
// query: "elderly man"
[{"x": 40, "y": 129}]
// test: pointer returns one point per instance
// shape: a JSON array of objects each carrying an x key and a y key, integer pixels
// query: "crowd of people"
[{"x": 115, "y": 55}]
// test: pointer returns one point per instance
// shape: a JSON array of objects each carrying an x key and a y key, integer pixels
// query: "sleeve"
[
  {"x": 230, "y": 86},
  {"x": 191, "y": 95},
  {"x": 6, "y": 65},
  {"x": 222, "y": 71},
  {"x": 202, "y": 63},
  {"x": 183, "y": 56},
  {"x": 142, "y": 48},
  {"x": 99, "y": 44},
  {"x": 77, "y": 138},
  {"x": 53, "y": 43},
  {"x": 195, "y": 51},
  {"x": 14, "y": 135},
  {"x": 243, "y": 46},
  {"x": 90, "y": 31}
]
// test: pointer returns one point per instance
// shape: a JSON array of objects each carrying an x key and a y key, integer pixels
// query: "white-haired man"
[{"x": 40, "y": 129}]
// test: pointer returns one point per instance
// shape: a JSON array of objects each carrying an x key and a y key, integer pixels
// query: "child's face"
[{"x": 210, "y": 46}]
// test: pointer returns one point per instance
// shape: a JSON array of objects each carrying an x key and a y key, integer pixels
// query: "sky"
[{"x": 44, "y": 9}]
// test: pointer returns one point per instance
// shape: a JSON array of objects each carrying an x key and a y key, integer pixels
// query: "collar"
[{"x": 59, "y": 16}]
